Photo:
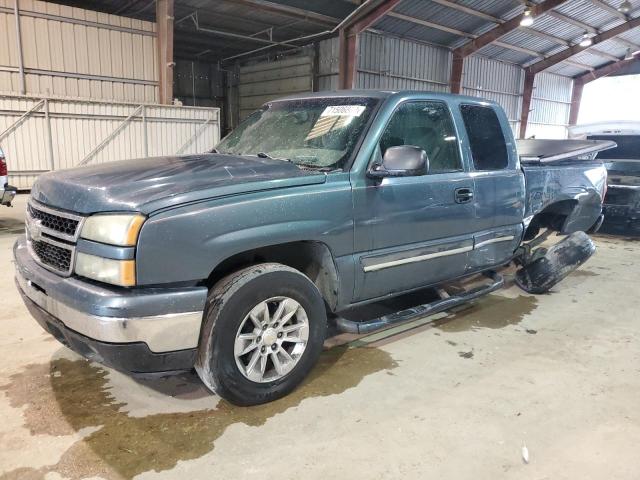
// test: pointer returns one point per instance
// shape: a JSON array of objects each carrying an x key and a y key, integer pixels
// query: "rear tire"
[{"x": 277, "y": 316}]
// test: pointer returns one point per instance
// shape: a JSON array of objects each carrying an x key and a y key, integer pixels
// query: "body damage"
[{"x": 358, "y": 237}]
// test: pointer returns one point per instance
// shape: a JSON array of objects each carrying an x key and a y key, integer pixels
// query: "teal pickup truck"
[{"x": 232, "y": 261}]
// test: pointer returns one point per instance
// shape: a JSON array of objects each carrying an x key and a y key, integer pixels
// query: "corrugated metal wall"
[
  {"x": 391, "y": 63},
  {"x": 550, "y": 105},
  {"x": 72, "y": 52},
  {"x": 263, "y": 81},
  {"x": 76, "y": 128},
  {"x": 328, "y": 64},
  {"x": 497, "y": 81},
  {"x": 387, "y": 62}
]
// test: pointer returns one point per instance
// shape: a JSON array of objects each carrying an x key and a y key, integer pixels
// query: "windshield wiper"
[{"x": 266, "y": 155}]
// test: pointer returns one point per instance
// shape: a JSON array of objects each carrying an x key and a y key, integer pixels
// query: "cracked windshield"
[{"x": 313, "y": 133}]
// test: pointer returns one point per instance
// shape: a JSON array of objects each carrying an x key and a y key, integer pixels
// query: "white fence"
[{"x": 43, "y": 134}]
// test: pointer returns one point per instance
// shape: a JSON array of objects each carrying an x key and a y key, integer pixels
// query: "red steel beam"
[
  {"x": 508, "y": 26},
  {"x": 576, "y": 100},
  {"x": 569, "y": 52},
  {"x": 348, "y": 34},
  {"x": 526, "y": 102},
  {"x": 605, "y": 70},
  {"x": 456, "y": 73},
  {"x": 164, "y": 21}
]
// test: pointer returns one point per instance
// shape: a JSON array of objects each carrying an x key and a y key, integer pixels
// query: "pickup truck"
[
  {"x": 232, "y": 261},
  {"x": 622, "y": 201}
]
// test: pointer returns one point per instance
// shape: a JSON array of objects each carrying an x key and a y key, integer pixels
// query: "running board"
[{"x": 349, "y": 326}]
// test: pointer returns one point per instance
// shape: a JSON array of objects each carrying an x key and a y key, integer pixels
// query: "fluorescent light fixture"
[
  {"x": 625, "y": 7},
  {"x": 586, "y": 40},
  {"x": 527, "y": 18}
]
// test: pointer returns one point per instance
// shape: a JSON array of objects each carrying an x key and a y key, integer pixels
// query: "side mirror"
[{"x": 401, "y": 161}]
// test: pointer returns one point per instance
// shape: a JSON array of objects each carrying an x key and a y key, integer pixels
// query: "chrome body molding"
[
  {"x": 507, "y": 238},
  {"x": 419, "y": 258},
  {"x": 444, "y": 253},
  {"x": 161, "y": 333}
]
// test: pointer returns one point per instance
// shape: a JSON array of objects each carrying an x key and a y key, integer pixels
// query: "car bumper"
[
  {"x": 137, "y": 330},
  {"x": 7, "y": 195}
]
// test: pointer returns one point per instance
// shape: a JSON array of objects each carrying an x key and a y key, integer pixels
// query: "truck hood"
[{"x": 150, "y": 184}]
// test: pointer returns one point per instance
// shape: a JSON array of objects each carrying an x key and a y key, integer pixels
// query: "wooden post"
[
  {"x": 164, "y": 21},
  {"x": 527, "y": 94}
]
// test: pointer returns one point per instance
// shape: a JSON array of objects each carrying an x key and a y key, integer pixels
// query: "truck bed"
[{"x": 534, "y": 151}]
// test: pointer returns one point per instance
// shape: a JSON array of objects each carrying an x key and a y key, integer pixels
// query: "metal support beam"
[
  {"x": 589, "y": 68},
  {"x": 457, "y": 67},
  {"x": 470, "y": 11},
  {"x": 16, "y": 14},
  {"x": 608, "y": 8},
  {"x": 436, "y": 26},
  {"x": 508, "y": 26},
  {"x": 573, "y": 21},
  {"x": 527, "y": 95},
  {"x": 569, "y": 52},
  {"x": 576, "y": 99},
  {"x": 546, "y": 36},
  {"x": 606, "y": 70},
  {"x": 348, "y": 34},
  {"x": 602, "y": 54},
  {"x": 164, "y": 22}
]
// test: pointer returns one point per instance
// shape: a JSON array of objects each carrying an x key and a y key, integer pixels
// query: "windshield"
[
  {"x": 628, "y": 147},
  {"x": 318, "y": 133}
]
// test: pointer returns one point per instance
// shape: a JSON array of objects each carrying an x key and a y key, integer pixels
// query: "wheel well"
[
  {"x": 552, "y": 217},
  {"x": 314, "y": 259}
]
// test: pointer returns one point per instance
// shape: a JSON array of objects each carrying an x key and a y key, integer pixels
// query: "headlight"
[
  {"x": 116, "y": 229},
  {"x": 116, "y": 272}
]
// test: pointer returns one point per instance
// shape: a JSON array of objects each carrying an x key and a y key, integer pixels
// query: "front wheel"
[{"x": 263, "y": 331}]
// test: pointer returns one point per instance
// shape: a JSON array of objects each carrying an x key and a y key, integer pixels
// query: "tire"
[
  {"x": 227, "y": 318},
  {"x": 546, "y": 270}
]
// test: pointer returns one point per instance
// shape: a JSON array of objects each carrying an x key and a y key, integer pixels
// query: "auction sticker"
[{"x": 343, "y": 111}]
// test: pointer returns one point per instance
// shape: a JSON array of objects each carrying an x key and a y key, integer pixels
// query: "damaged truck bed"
[{"x": 231, "y": 261}]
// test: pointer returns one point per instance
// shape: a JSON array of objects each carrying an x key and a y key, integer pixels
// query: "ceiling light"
[
  {"x": 586, "y": 40},
  {"x": 629, "y": 55},
  {"x": 625, "y": 7},
  {"x": 527, "y": 18}
]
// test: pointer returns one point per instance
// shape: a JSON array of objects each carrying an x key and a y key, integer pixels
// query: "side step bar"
[{"x": 349, "y": 326}]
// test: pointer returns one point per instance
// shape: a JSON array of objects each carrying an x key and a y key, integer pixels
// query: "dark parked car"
[
  {"x": 622, "y": 201},
  {"x": 231, "y": 261}
]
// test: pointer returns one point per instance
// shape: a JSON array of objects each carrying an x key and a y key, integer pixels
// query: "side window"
[
  {"x": 487, "y": 142},
  {"x": 427, "y": 125}
]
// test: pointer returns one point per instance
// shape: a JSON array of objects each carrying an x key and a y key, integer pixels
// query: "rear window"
[
  {"x": 628, "y": 147},
  {"x": 488, "y": 145}
]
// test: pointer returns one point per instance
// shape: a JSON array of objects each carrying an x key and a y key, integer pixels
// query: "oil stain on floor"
[
  {"x": 493, "y": 311},
  {"x": 75, "y": 394}
]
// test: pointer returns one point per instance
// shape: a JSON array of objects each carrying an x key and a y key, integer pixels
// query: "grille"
[
  {"x": 56, "y": 257},
  {"x": 66, "y": 226}
]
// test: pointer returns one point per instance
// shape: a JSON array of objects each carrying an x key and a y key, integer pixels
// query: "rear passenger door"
[{"x": 499, "y": 185}]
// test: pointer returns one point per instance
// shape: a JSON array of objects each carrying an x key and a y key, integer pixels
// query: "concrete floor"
[{"x": 455, "y": 398}]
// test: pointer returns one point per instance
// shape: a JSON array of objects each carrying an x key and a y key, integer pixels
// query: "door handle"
[{"x": 463, "y": 195}]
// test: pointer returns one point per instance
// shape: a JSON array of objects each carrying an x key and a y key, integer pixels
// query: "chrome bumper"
[
  {"x": 162, "y": 332},
  {"x": 7, "y": 196}
]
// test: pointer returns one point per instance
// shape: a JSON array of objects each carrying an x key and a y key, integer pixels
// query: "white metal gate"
[{"x": 43, "y": 134}]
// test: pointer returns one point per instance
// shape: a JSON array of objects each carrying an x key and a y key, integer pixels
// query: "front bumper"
[{"x": 139, "y": 330}]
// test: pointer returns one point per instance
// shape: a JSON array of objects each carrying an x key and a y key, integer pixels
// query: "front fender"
[{"x": 187, "y": 243}]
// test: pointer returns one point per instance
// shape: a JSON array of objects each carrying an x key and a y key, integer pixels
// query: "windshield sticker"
[{"x": 343, "y": 111}]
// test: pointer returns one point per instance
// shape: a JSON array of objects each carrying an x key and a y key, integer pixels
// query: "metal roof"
[{"x": 221, "y": 30}]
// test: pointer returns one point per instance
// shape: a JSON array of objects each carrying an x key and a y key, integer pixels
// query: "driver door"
[{"x": 414, "y": 231}]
